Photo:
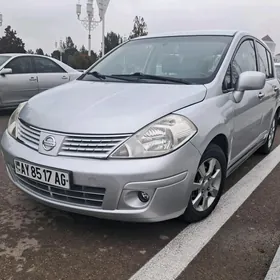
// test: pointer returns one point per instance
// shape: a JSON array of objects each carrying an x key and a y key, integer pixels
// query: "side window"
[
  {"x": 263, "y": 58},
  {"x": 45, "y": 65},
  {"x": 270, "y": 64},
  {"x": 244, "y": 60},
  {"x": 21, "y": 65}
]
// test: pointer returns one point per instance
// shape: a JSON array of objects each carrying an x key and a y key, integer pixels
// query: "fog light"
[{"x": 144, "y": 197}]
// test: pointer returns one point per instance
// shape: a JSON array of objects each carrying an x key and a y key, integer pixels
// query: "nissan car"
[{"x": 151, "y": 131}]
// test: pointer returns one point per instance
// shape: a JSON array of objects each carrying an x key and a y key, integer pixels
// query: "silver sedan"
[{"x": 24, "y": 75}]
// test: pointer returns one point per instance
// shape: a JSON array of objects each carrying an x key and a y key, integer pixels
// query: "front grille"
[
  {"x": 91, "y": 146},
  {"x": 28, "y": 135},
  {"x": 79, "y": 195}
]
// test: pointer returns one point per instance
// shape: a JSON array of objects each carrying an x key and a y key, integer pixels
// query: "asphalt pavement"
[
  {"x": 245, "y": 246},
  {"x": 38, "y": 242}
]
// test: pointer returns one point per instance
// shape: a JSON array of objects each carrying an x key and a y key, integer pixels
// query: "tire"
[
  {"x": 196, "y": 213},
  {"x": 267, "y": 147}
]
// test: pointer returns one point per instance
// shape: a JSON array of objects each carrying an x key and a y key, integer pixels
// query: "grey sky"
[{"x": 41, "y": 23}]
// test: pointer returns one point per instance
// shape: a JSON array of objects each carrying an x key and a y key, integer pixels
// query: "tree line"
[{"x": 75, "y": 57}]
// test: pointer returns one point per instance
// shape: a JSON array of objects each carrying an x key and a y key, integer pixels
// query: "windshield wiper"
[
  {"x": 141, "y": 75},
  {"x": 97, "y": 75},
  {"x": 104, "y": 77}
]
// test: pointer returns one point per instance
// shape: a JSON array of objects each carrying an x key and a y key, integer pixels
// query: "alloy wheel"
[
  {"x": 207, "y": 184},
  {"x": 271, "y": 133}
]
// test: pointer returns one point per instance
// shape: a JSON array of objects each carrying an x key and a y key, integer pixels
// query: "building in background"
[{"x": 270, "y": 43}]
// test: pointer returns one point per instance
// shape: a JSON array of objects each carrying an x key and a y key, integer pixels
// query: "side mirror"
[
  {"x": 249, "y": 80},
  {"x": 5, "y": 71}
]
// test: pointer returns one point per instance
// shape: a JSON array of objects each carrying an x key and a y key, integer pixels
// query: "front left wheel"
[{"x": 208, "y": 184}]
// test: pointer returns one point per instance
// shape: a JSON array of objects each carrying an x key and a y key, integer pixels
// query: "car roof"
[
  {"x": 21, "y": 54},
  {"x": 196, "y": 32}
]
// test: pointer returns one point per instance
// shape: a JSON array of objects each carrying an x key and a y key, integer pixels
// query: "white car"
[{"x": 25, "y": 75}]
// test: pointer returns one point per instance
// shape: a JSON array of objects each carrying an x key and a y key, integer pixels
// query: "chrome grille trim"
[
  {"x": 73, "y": 145},
  {"x": 99, "y": 146},
  {"x": 91, "y": 197},
  {"x": 28, "y": 135}
]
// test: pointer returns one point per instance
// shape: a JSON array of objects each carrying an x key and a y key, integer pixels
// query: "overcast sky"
[{"x": 42, "y": 22}]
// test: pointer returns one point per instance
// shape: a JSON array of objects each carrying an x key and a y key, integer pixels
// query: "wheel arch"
[
  {"x": 278, "y": 112},
  {"x": 221, "y": 141},
  {"x": 220, "y": 135}
]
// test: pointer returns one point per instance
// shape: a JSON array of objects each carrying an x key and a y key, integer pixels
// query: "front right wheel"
[
  {"x": 208, "y": 184},
  {"x": 266, "y": 148}
]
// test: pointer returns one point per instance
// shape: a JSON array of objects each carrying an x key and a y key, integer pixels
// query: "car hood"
[{"x": 107, "y": 108}]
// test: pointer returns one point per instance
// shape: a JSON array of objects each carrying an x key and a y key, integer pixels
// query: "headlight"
[
  {"x": 157, "y": 139},
  {"x": 12, "y": 124}
]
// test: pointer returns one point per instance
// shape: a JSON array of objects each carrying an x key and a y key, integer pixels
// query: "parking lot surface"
[{"x": 37, "y": 242}]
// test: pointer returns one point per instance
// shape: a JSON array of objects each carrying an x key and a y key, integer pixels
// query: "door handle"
[
  {"x": 64, "y": 77},
  {"x": 261, "y": 95},
  {"x": 33, "y": 79},
  {"x": 276, "y": 89}
]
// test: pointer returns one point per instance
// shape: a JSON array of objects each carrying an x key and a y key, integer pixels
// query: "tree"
[
  {"x": 39, "y": 51},
  {"x": 69, "y": 49},
  {"x": 10, "y": 43},
  {"x": 139, "y": 28},
  {"x": 112, "y": 40},
  {"x": 73, "y": 57},
  {"x": 81, "y": 61},
  {"x": 56, "y": 54},
  {"x": 68, "y": 44},
  {"x": 83, "y": 50},
  {"x": 30, "y": 51}
]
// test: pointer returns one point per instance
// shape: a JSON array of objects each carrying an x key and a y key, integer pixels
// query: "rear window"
[
  {"x": 277, "y": 67},
  {"x": 3, "y": 59}
]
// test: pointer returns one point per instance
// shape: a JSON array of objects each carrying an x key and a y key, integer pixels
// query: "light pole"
[
  {"x": 59, "y": 49},
  {"x": 88, "y": 22},
  {"x": 102, "y": 6}
]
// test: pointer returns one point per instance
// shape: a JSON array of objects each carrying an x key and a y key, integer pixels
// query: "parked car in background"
[
  {"x": 149, "y": 132},
  {"x": 25, "y": 75}
]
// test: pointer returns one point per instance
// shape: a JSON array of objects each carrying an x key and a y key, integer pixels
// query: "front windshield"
[
  {"x": 3, "y": 59},
  {"x": 194, "y": 58},
  {"x": 277, "y": 71}
]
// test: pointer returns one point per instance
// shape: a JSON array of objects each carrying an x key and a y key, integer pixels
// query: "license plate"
[{"x": 42, "y": 174}]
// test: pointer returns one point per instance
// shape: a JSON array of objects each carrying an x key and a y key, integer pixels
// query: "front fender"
[{"x": 212, "y": 117}]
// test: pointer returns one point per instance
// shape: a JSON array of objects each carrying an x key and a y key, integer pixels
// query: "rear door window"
[
  {"x": 265, "y": 61},
  {"x": 45, "y": 65}
]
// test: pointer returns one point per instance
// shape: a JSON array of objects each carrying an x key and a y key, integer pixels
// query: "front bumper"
[{"x": 168, "y": 181}]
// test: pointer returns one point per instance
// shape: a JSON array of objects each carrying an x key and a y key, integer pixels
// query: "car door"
[
  {"x": 49, "y": 73},
  {"x": 248, "y": 117},
  {"x": 21, "y": 84},
  {"x": 270, "y": 91}
]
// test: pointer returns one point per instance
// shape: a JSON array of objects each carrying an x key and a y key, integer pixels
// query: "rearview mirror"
[
  {"x": 5, "y": 71},
  {"x": 249, "y": 80}
]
